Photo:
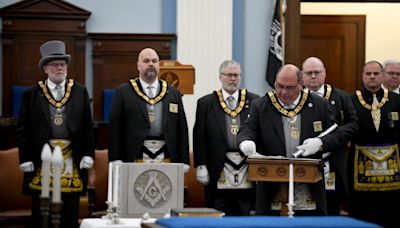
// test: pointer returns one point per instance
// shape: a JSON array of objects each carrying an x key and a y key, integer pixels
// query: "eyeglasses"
[
  {"x": 310, "y": 73},
  {"x": 393, "y": 74},
  {"x": 287, "y": 88},
  {"x": 56, "y": 65},
  {"x": 231, "y": 75}
]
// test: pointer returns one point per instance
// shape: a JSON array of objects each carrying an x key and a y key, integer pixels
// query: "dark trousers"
[
  {"x": 376, "y": 207},
  {"x": 234, "y": 202},
  {"x": 69, "y": 213}
]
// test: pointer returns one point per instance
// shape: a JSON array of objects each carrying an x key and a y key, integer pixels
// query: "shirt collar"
[
  {"x": 321, "y": 91},
  {"x": 234, "y": 95},
  {"x": 397, "y": 90},
  {"x": 53, "y": 85},
  {"x": 293, "y": 104},
  {"x": 145, "y": 84}
]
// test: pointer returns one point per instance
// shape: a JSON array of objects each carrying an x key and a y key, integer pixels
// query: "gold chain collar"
[
  {"x": 57, "y": 104},
  {"x": 144, "y": 96},
  {"x": 285, "y": 112},
  {"x": 328, "y": 92},
  {"x": 369, "y": 107},
  {"x": 239, "y": 108}
]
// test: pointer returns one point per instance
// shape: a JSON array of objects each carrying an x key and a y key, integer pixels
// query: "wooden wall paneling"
[
  {"x": 339, "y": 41},
  {"x": 292, "y": 32},
  {"x": 115, "y": 57},
  {"x": 28, "y": 24}
]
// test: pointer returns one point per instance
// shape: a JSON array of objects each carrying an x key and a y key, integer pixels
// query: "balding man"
[
  {"x": 335, "y": 168},
  {"x": 391, "y": 75},
  {"x": 282, "y": 120},
  {"x": 374, "y": 158},
  {"x": 147, "y": 119}
]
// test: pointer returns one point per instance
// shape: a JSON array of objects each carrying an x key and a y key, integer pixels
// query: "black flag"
[{"x": 275, "y": 53}]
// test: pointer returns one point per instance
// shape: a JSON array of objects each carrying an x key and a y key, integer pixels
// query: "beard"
[{"x": 150, "y": 73}]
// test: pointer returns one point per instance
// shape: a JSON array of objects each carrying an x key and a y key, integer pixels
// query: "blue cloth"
[
  {"x": 264, "y": 221},
  {"x": 17, "y": 92},
  {"x": 108, "y": 95}
]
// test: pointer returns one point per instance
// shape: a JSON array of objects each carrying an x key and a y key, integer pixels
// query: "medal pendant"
[
  {"x": 294, "y": 133},
  {"x": 152, "y": 115},
  {"x": 58, "y": 117},
  {"x": 234, "y": 127}
]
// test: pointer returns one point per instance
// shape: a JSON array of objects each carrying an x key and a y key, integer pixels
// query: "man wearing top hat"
[{"x": 56, "y": 111}]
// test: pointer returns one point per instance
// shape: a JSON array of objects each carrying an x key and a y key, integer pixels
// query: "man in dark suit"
[
  {"x": 147, "y": 119},
  {"x": 374, "y": 157},
  {"x": 279, "y": 122},
  {"x": 56, "y": 111},
  {"x": 221, "y": 166},
  {"x": 335, "y": 169}
]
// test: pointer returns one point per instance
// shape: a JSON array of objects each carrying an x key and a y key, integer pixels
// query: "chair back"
[
  {"x": 98, "y": 177},
  {"x": 11, "y": 177}
]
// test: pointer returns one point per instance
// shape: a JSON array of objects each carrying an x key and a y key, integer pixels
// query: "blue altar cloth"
[{"x": 264, "y": 221}]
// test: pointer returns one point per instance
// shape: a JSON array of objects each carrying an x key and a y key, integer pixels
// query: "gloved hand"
[
  {"x": 27, "y": 167},
  {"x": 186, "y": 168},
  {"x": 310, "y": 146},
  {"x": 248, "y": 147},
  {"x": 202, "y": 174},
  {"x": 116, "y": 162},
  {"x": 86, "y": 162}
]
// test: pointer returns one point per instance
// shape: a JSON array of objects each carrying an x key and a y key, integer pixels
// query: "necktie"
[
  {"x": 375, "y": 113},
  {"x": 59, "y": 94},
  {"x": 150, "y": 93},
  {"x": 231, "y": 102}
]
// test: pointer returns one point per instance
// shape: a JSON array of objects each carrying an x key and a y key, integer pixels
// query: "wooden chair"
[
  {"x": 15, "y": 208},
  {"x": 97, "y": 186}
]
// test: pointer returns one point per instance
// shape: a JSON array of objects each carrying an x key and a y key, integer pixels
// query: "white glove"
[
  {"x": 186, "y": 168},
  {"x": 248, "y": 147},
  {"x": 116, "y": 162},
  {"x": 202, "y": 174},
  {"x": 86, "y": 162},
  {"x": 310, "y": 146},
  {"x": 27, "y": 167}
]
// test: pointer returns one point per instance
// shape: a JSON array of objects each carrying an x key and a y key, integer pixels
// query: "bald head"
[
  {"x": 148, "y": 65},
  {"x": 288, "y": 83},
  {"x": 314, "y": 73}
]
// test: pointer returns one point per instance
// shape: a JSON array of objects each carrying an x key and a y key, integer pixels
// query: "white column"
[{"x": 204, "y": 31}]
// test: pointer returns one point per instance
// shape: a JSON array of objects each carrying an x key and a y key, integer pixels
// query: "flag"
[{"x": 275, "y": 53}]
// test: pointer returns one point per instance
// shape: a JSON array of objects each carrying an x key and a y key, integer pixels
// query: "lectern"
[
  {"x": 178, "y": 75},
  {"x": 277, "y": 170}
]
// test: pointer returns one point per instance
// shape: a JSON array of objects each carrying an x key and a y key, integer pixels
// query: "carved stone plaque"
[{"x": 152, "y": 188}]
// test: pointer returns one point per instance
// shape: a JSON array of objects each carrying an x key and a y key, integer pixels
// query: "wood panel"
[
  {"x": 28, "y": 24},
  {"x": 339, "y": 41},
  {"x": 115, "y": 57},
  {"x": 292, "y": 32}
]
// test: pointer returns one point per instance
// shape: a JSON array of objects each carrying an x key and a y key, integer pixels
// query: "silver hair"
[
  {"x": 390, "y": 62},
  {"x": 228, "y": 63}
]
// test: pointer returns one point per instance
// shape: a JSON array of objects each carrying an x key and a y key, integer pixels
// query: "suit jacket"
[
  {"x": 34, "y": 128},
  {"x": 209, "y": 134},
  {"x": 129, "y": 125},
  {"x": 265, "y": 124},
  {"x": 346, "y": 118}
]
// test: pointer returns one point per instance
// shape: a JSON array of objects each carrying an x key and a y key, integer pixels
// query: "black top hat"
[{"x": 53, "y": 50}]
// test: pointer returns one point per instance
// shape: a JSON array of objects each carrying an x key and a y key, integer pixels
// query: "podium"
[
  {"x": 178, "y": 75},
  {"x": 277, "y": 170},
  {"x": 154, "y": 188}
]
